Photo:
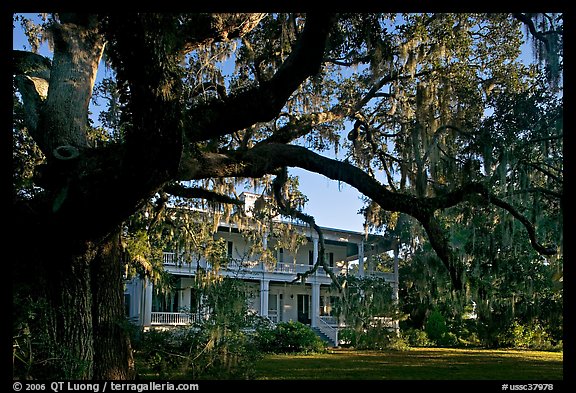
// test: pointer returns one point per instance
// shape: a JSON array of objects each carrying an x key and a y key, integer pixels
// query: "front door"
[{"x": 304, "y": 309}]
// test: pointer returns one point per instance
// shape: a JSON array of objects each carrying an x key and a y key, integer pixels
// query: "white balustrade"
[
  {"x": 171, "y": 318},
  {"x": 326, "y": 327}
]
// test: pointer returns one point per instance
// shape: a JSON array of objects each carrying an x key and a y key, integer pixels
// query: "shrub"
[
  {"x": 398, "y": 343},
  {"x": 417, "y": 338},
  {"x": 449, "y": 339},
  {"x": 196, "y": 352},
  {"x": 348, "y": 337},
  {"x": 436, "y": 326},
  {"x": 375, "y": 337},
  {"x": 289, "y": 337},
  {"x": 532, "y": 336}
]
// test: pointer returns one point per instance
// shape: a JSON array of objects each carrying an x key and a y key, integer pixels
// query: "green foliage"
[
  {"x": 375, "y": 337},
  {"x": 417, "y": 338},
  {"x": 397, "y": 342},
  {"x": 26, "y": 154},
  {"x": 194, "y": 353},
  {"x": 219, "y": 347},
  {"x": 226, "y": 302},
  {"x": 35, "y": 356},
  {"x": 532, "y": 336},
  {"x": 363, "y": 299},
  {"x": 436, "y": 326},
  {"x": 288, "y": 337}
]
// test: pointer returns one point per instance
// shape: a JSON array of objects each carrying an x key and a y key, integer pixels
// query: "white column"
[
  {"x": 264, "y": 289},
  {"x": 146, "y": 315},
  {"x": 315, "y": 312},
  {"x": 396, "y": 284},
  {"x": 265, "y": 240},
  {"x": 361, "y": 259},
  {"x": 396, "y": 276},
  {"x": 315, "y": 253}
]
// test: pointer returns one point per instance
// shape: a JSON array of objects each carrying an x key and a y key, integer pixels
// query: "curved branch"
[
  {"x": 455, "y": 197},
  {"x": 263, "y": 103},
  {"x": 527, "y": 224},
  {"x": 31, "y": 64},
  {"x": 535, "y": 33},
  {"x": 31, "y": 75},
  {"x": 202, "y": 193},
  {"x": 33, "y": 92},
  {"x": 270, "y": 158},
  {"x": 288, "y": 210}
]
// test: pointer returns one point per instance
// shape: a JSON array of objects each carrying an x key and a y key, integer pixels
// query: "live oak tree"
[{"x": 403, "y": 97}]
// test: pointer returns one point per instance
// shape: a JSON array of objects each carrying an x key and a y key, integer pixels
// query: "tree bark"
[
  {"x": 113, "y": 358},
  {"x": 78, "y": 48}
]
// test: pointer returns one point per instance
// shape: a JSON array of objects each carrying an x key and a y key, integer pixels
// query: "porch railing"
[
  {"x": 169, "y": 258},
  {"x": 172, "y": 259},
  {"x": 170, "y": 318}
]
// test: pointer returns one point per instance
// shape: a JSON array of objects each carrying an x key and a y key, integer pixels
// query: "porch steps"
[{"x": 324, "y": 337}]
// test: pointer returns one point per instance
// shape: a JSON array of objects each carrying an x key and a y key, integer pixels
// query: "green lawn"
[{"x": 414, "y": 364}]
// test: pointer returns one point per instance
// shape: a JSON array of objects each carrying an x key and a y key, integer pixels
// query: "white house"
[{"x": 278, "y": 297}]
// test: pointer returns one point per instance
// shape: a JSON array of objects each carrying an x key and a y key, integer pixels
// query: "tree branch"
[
  {"x": 202, "y": 193},
  {"x": 263, "y": 103},
  {"x": 201, "y": 29},
  {"x": 271, "y": 158},
  {"x": 527, "y": 224},
  {"x": 530, "y": 24},
  {"x": 288, "y": 210},
  {"x": 31, "y": 64}
]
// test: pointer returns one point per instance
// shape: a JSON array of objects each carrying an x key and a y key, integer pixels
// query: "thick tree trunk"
[
  {"x": 59, "y": 272},
  {"x": 71, "y": 300},
  {"x": 69, "y": 295},
  {"x": 113, "y": 358}
]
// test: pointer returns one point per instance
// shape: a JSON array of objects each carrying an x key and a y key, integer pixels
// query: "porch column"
[
  {"x": 264, "y": 289},
  {"x": 146, "y": 311},
  {"x": 265, "y": 240},
  {"x": 315, "y": 252},
  {"x": 396, "y": 284},
  {"x": 315, "y": 312},
  {"x": 361, "y": 259}
]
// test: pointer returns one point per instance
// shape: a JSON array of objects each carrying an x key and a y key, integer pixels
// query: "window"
[
  {"x": 127, "y": 304},
  {"x": 331, "y": 259},
  {"x": 230, "y": 248},
  {"x": 311, "y": 257},
  {"x": 281, "y": 255}
]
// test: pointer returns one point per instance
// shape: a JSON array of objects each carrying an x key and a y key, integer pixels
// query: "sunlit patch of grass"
[{"x": 417, "y": 363}]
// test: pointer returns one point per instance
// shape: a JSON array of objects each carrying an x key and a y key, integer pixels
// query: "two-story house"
[{"x": 278, "y": 296}]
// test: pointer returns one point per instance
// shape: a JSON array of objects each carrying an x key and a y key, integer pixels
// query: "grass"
[{"x": 414, "y": 364}]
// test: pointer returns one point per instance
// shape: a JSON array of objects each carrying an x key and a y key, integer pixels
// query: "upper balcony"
[{"x": 280, "y": 271}]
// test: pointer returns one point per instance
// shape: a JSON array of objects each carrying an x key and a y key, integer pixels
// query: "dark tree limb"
[
  {"x": 270, "y": 158},
  {"x": 286, "y": 209},
  {"x": 263, "y": 103},
  {"x": 541, "y": 36},
  {"x": 31, "y": 64},
  {"x": 201, "y": 193},
  {"x": 544, "y": 250}
]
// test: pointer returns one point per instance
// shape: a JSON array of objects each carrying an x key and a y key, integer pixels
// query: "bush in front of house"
[
  {"x": 288, "y": 337},
  {"x": 204, "y": 351}
]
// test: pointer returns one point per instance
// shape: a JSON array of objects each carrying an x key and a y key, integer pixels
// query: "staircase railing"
[{"x": 330, "y": 331}]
